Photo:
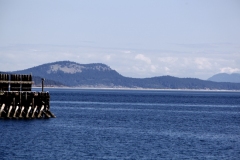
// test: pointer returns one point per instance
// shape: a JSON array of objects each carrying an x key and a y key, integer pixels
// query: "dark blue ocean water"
[{"x": 128, "y": 124}]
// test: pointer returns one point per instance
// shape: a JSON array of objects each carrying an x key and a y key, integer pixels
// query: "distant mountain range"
[
  {"x": 224, "y": 77},
  {"x": 97, "y": 75}
]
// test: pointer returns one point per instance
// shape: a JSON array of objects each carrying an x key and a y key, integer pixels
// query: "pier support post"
[
  {"x": 42, "y": 84},
  {"x": 2, "y": 109}
]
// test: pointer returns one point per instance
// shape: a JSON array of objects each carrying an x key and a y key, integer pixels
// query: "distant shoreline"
[{"x": 144, "y": 89}]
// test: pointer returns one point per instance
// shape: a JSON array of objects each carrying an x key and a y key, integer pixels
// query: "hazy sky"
[{"x": 137, "y": 38}]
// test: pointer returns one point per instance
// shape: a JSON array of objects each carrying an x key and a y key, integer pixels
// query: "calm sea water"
[{"x": 128, "y": 124}]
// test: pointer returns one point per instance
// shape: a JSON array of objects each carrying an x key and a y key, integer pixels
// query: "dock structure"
[{"x": 18, "y": 101}]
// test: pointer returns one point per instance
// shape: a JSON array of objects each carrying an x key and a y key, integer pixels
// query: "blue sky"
[{"x": 137, "y": 38}]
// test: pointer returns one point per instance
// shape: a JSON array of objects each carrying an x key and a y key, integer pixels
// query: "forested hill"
[{"x": 67, "y": 73}]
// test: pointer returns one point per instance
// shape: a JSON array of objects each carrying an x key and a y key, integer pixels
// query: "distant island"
[
  {"x": 224, "y": 77},
  {"x": 98, "y": 75}
]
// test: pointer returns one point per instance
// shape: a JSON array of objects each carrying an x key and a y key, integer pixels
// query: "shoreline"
[{"x": 137, "y": 89}]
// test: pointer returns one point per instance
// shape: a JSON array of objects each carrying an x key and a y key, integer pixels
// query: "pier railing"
[{"x": 15, "y": 82}]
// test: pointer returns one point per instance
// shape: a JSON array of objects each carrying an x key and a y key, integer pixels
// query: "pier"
[{"x": 18, "y": 101}]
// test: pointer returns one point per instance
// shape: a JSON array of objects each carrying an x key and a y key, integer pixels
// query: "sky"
[{"x": 137, "y": 38}]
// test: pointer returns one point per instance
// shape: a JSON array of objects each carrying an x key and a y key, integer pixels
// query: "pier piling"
[{"x": 18, "y": 101}]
